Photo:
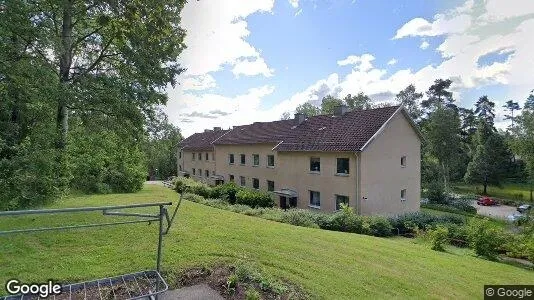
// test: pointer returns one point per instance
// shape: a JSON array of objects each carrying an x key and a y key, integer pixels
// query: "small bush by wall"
[{"x": 254, "y": 198}]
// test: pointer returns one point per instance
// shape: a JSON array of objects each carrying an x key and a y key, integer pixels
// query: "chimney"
[
  {"x": 299, "y": 118},
  {"x": 340, "y": 110},
  {"x": 207, "y": 130},
  {"x": 216, "y": 128}
]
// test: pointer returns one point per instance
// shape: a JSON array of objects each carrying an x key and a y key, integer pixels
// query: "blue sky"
[{"x": 253, "y": 60}]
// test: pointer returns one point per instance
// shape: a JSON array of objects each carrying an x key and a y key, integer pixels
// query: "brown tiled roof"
[
  {"x": 201, "y": 141},
  {"x": 348, "y": 132}
]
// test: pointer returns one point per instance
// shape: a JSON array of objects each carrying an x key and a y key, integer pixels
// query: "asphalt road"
[{"x": 501, "y": 211}]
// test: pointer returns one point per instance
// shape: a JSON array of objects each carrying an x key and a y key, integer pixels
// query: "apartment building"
[{"x": 368, "y": 159}]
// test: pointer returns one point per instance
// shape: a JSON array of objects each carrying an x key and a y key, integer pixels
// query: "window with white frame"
[
  {"x": 270, "y": 160},
  {"x": 199, "y": 172},
  {"x": 242, "y": 180},
  {"x": 255, "y": 183},
  {"x": 256, "y": 159},
  {"x": 243, "y": 159},
  {"x": 207, "y": 156},
  {"x": 315, "y": 199},
  {"x": 270, "y": 185},
  {"x": 403, "y": 161},
  {"x": 207, "y": 172},
  {"x": 194, "y": 171},
  {"x": 342, "y": 166},
  {"x": 199, "y": 156},
  {"x": 315, "y": 164},
  {"x": 231, "y": 159},
  {"x": 194, "y": 154},
  {"x": 340, "y": 199},
  {"x": 403, "y": 195},
  {"x": 231, "y": 177}
]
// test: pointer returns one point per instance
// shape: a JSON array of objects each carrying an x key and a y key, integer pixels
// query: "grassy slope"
[
  {"x": 520, "y": 192},
  {"x": 328, "y": 264}
]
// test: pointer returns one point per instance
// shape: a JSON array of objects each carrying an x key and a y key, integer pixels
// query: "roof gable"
[{"x": 202, "y": 141}]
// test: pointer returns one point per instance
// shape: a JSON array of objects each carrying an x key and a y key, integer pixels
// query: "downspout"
[{"x": 358, "y": 183}]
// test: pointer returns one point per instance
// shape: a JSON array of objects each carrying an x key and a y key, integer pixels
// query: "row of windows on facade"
[
  {"x": 206, "y": 172},
  {"x": 199, "y": 155},
  {"x": 315, "y": 162}
]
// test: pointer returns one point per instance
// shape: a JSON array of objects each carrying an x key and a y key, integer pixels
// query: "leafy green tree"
[
  {"x": 469, "y": 124},
  {"x": 529, "y": 103},
  {"x": 441, "y": 131},
  {"x": 409, "y": 98},
  {"x": 308, "y": 109},
  {"x": 161, "y": 147},
  {"x": 329, "y": 103},
  {"x": 523, "y": 143},
  {"x": 484, "y": 109},
  {"x": 490, "y": 159},
  {"x": 357, "y": 102},
  {"x": 511, "y": 106}
]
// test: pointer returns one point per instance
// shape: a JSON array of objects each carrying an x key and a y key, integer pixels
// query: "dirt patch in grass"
[{"x": 230, "y": 285}]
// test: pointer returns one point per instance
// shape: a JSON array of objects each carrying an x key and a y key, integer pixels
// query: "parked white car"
[{"x": 514, "y": 217}]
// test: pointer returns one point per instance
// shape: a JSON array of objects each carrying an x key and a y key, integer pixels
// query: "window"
[
  {"x": 213, "y": 172},
  {"x": 207, "y": 156},
  {"x": 315, "y": 164},
  {"x": 243, "y": 159},
  {"x": 403, "y": 195},
  {"x": 315, "y": 199},
  {"x": 199, "y": 172},
  {"x": 180, "y": 167},
  {"x": 255, "y": 183},
  {"x": 342, "y": 166},
  {"x": 212, "y": 156},
  {"x": 193, "y": 171},
  {"x": 200, "y": 156},
  {"x": 231, "y": 159},
  {"x": 270, "y": 185},
  {"x": 207, "y": 172},
  {"x": 270, "y": 160},
  {"x": 231, "y": 177},
  {"x": 256, "y": 159},
  {"x": 242, "y": 180},
  {"x": 194, "y": 156},
  {"x": 403, "y": 161},
  {"x": 180, "y": 154},
  {"x": 340, "y": 199}
]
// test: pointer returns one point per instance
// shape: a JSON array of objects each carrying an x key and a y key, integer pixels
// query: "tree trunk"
[
  {"x": 445, "y": 176},
  {"x": 65, "y": 61},
  {"x": 485, "y": 185}
]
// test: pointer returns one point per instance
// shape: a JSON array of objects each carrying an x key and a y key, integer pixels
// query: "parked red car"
[{"x": 486, "y": 201}]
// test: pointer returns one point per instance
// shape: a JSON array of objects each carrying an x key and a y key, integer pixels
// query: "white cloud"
[
  {"x": 424, "y": 45},
  {"x": 498, "y": 10},
  {"x": 442, "y": 24},
  {"x": 253, "y": 67},
  {"x": 392, "y": 61},
  {"x": 299, "y": 12},
  {"x": 294, "y": 3},
  {"x": 362, "y": 62},
  {"x": 200, "y": 82},
  {"x": 216, "y": 33}
]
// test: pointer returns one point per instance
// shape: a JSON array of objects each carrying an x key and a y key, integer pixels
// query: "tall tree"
[
  {"x": 439, "y": 95},
  {"x": 329, "y": 103},
  {"x": 130, "y": 47},
  {"x": 484, "y": 109},
  {"x": 529, "y": 103},
  {"x": 360, "y": 101},
  {"x": 442, "y": 139},
  {"x": 409, "y": 98},
  {"x": 491, "y": 156},
  {"x": 511, "y": 106},
  {"x": 308, "y": 109},
  {"x": 469, "y": 124},
  {"x": 523, "y": 143}
]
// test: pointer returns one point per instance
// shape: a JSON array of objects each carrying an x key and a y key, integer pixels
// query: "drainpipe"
[{"x": 358, "y": 183}]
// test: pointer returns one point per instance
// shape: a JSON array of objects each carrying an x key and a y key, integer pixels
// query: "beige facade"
[
  {"x": 383, "y": 178},
  {"x": 196, "y": 164}
]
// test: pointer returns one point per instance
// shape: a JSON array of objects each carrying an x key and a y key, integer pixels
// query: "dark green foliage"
[
  {"x": 379, "y": 226},
  {"x": 103, "y": 162},
  {"x": 254, "y": 198},
  {"x": 485, "y": 238},
  {"x": 300, "y": 217},
  {"x": 226, "y": 191},
  {"x": 404, "y": 223},
  {"x": 409, "y": 98}
]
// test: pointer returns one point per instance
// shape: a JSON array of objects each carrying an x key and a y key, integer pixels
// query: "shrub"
[
  {"x": 226, "y": 191},
  {"x": 458, "y": 235},
  {"x": 344, "y": 220},
  {"x": 252, "y": 294},
  {"x": 484, "y": 237},
  {"x": 254, "y": 198},
  {"x": 378, "y": 226},
  {"x": 438, "y": 237},
  {"x": 436, "y": 192},
  {"x": 300, "y": 217}
]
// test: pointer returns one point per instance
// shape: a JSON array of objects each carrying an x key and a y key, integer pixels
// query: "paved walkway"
[
  {"x": 195, "y": 292},
  {"x": 500, "y": 211}
]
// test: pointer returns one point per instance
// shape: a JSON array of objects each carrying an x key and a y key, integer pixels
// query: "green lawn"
[
  {"x": 513, "y": 191},
  {"x": 329, "y": 265}
]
